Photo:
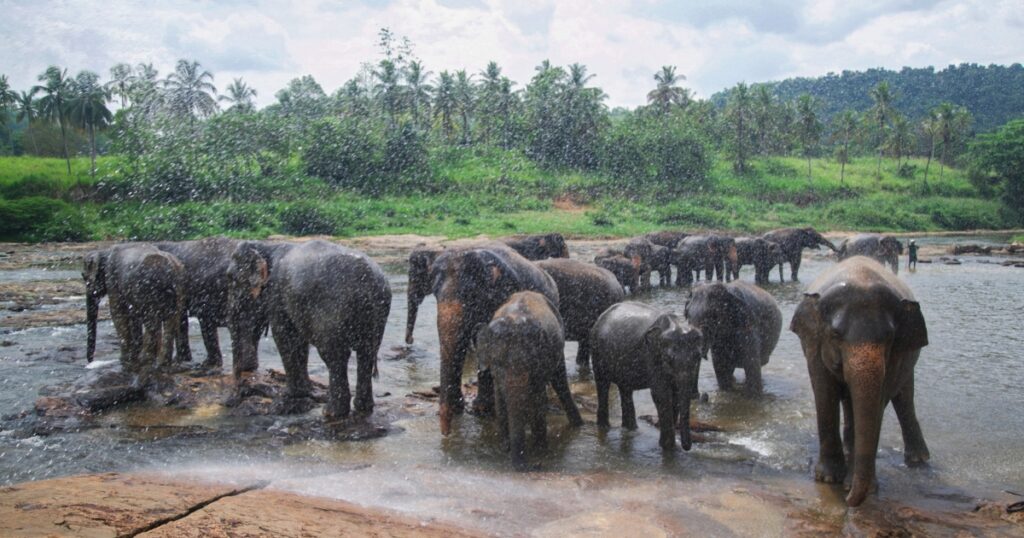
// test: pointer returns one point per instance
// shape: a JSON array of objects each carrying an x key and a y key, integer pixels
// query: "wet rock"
[{"x": 970, "y": 249}]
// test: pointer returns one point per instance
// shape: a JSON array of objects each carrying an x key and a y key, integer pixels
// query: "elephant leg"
[
  {"x": 781, "y": 279},
  {"x": 665, "y": 405},
  {"x": 538, "y": 408},
  {"x": 560, "y": 383},
  {"x": 150, "y": 343},
  {"x": 339, "y": 397},
  {"x": 794, "y": 263},
  {"x": 208, "y": 327},
  {"x": 295, "y": 358},
  {"x": 169, "y": 330},
  {"x": 723, "y": 373},
  {"x": 628, "y": 411},
  {"x": 184, "y": 350},
  {"x": 119, "y": 315},
  {"x": 602, "y": 401},
  {"x": 483, "y": 404},
  {"x": 501, "y": 413},
  {"x": 583, "y": 354},
  {"x": 753, "y": 384},
  {"x": 915, "y": 450},
  {"x": 518, "y": 413},
  {"x": 831, "y": 467},
  {"x": 366, "y": 357}
]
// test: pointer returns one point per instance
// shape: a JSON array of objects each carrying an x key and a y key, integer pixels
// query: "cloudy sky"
[{"x": 715, "y": 43}]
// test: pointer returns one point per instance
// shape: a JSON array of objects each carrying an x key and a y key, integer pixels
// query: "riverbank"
[{"x": 156, "y": 505}]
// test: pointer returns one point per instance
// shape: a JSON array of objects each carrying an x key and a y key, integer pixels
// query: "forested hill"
[{"x": 994, "y": 94}]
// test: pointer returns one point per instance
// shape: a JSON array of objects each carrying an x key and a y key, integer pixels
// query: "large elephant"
[
  {"x": 206, "y": 262},
  {"x": 886, "y": 249},
  {"x": 539, "y": 247},
  {"x": 661, "y": 261},
  {"x": 584, "y": 292},
  {"x": 318, "y": 293},
  {"x": 521, "y": 349},
  {"x": 691, "y": 255},
  {"x": 665, "y": 238},
  {"x": 741, "y": 324},
  {"x": 862, "y": 332},
  {"x": 793, "y": 241},
  {"x": 470, "y": 283},
  {"x": 641, "y": 252},
  {"x": 762, "y": 254},
  {"x": 147, "y": 294},
  {"x": 636, "y": 346},
  {"x": 626, "y": 272},
  {"x": 420, "y": 260},
  {"x": 723, "y": 258}
]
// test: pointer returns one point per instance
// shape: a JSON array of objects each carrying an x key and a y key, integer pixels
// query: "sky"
[{"x": 714, "y": 43}]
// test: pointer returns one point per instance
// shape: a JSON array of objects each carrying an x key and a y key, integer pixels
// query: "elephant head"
[
  {"x": 678, "y": 351},
  {"x": 94, "y": 272},
  {"x": 862, "y": 334},
  {"x": 892, "y": 245},
  {"x": 248, "y": 274},
  {"x": 716, "y": 312},
  {"x": 810, "y": 238},
  {"x": 555, "y": 245}
]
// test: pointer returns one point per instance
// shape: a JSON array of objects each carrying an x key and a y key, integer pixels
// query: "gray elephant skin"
[
  {"x": 584, "y": 292},
  {"x": 884, "y": 249},
  {"x": 626, "y": 272},
  {"x": 419, "y": 284},
  {"x": 521, "y": 348},
  {"x": 862, "y": 332},
  {"x": 470, "y": 283},
  {"x": 741, "y": 324},
  {"x": 315, "y": 293},
  {"x": 636, "y": 346},
  {"x": 146, "y": 289},
  {"x": 762, "y": 254},
  {"x": 793, "y": 241},
  {"x": 539, "y": 247}
]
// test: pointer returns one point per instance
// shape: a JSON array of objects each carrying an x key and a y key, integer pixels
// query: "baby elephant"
[
  {"x": 636, "y": 347},
  {"x": 741, "y": 324},
  {"x": 522, "y": 349}
]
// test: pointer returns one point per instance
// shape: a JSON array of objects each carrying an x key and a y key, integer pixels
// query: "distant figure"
[{"x": 912, "y": 255}]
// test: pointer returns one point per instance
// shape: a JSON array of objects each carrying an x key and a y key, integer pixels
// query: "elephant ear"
[
  {"x": 911, "y": 331},
  {"x": 807, "y": 319},
  {"x": 660, "y": 325},
  {"x": 259, "y": 274}
]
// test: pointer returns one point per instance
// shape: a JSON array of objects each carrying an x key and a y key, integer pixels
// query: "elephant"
[
  {"x": 94, "y": 273},
  {"x": 886, "y": 249},
  {"x": 741, "y": 324},
  {"x": 147, "y": 294},
  {"x": 862, "y": 332},
  {"x": 723, "y": 260},
  {"x": 762, "y": 254},
  {"x": 641, "y": 252},
  {"x": 420, "y": 260},
  {"x": 691, "y": 254},
  {"x": 793, "y": 241},
  {"x": 318, "y": 293},
  {"x": 584, "y": 292},
  {"x": 636, "y": 346},
  {"x": 665, "y": 238},
  {"x": 626, "y": 272},
  {"x": 206, "y": 262},
  {"x": 521, "y": 348},
  {"x": 539, "y": 247},
  {"x": 470, "y": 283},
  {"x": 661, "y": 261}
]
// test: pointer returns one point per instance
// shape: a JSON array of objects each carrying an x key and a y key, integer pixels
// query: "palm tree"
[
  {"x": 843, "y": 130},
  {"x": 808, "y": 127},
  {"x": 445, "y": 103},
  {"x": 667, "y": 92},
  {"x": 952, "y": 122},
  {"x": 25, "y": 106},
  {"x": 53, "y": 105},
  {"x": 190, "y": 91},
  {"x": 418, "y": 90},
  {"x": 931, "y": 128},
  {"x": 489, "y": 101},
  {"x": 88, "y": 108},
  {"x": 464, "y": 96},
  {"x": 387, "y": 89},
  {"x": 240, "y": 96},
  {"x": 121, "y": 82},
  {"x": 899, "y": 138},
  {"x": 507, "y": 101},
  {"x": 7, "y": 98},
  {"x": 764, "y": 109},
  {"x": 738, "y": 115},
  {"x": 881, "y": 111},
  {"x": 144, "y": 89}
]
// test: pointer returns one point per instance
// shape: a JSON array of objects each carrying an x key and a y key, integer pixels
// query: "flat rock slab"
[{"x": 115, "y": 504}]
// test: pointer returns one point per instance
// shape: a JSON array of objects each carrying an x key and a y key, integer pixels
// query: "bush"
[
  {"x": 342, "y": 153},
  {"x": 68, "y": 224},
  {"x": 907, "y": 171},
  {"x": 19, "y": 218},
  {"x": 32, "y": 185},
  {"x": 305, "y": 218}
]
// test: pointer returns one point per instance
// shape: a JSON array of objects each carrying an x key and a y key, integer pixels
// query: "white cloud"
[{"x": 714, "y": 43}]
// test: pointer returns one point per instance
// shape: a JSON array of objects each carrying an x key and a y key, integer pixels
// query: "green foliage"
[
  {"x": 23, "y": 217},
  {"x": 306, "y": 218},
  {"x": 342, "y": 153},
  {"x": 998, "y": 160}
]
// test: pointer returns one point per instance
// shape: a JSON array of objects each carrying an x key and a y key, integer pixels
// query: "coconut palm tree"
[
  {"x": 953, "y": 121},
  {"x": 387, "y": 90},
  {"x": 53, "y": 105},
  {"x": 190, "y": 91},
  {"x": 465, "y": 95},
  {"x": 738, "y": 113},
  {"x": 881, "y": 113},
  {"x": 445, "y": 103},
  {"x": 25, "y": 107},
  {"x": 120, "y": 82},
  {"x": 931, "y": 127},
  {"x": 87, "y": 108},
  {"x": 844, "y": 128},
  {"x": 418, "y": 91},
  {"x": 808, "y": 127},
  {"x": 7, "y": 98},
  {"x": 239, "y": 96},
  {"x": 667, "y": 92},
  {"x": 144, "y": 90},
  {"x": 899, "y": 138}
]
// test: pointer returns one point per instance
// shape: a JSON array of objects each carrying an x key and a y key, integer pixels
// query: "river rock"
[{"x": 970, "y": 249}]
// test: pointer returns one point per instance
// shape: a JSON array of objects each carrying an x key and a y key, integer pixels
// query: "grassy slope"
[{"x": 497, "y": 193}]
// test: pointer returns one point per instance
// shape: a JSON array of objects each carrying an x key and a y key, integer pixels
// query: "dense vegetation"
[{"x": 398, "y": 149}]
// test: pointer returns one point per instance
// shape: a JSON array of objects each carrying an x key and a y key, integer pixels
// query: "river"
[{"x": 969, "y": 400}]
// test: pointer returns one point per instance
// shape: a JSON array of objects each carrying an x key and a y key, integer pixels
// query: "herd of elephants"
[{"x": 513, "y": 304}]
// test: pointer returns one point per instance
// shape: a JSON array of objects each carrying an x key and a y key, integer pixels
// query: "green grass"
[{"x": 496, "y": 192}]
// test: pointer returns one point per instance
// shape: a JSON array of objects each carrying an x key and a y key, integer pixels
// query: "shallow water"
[{"x": 968, "y": 399}]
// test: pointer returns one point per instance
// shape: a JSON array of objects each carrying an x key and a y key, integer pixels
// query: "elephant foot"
[
  {"x": 916, "y": 457},
  {"x": 830, "y": 472},
  {"x": 336, "y": 412},
  {"x": 482, "y": 409},
  {"x": 668, "y": 445},
  {"x": 212, "y": 364},
  {"x": 293, "y": 405},
  {"x": 363, "y": 406}
]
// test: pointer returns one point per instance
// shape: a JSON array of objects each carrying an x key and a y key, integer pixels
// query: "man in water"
[{"x": 912, "y": 255}]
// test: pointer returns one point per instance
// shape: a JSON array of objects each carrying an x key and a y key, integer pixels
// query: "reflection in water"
[{"x": 968, "y": 400}]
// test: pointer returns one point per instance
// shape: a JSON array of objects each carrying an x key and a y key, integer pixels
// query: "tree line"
[{"x": 179, "y": 139}]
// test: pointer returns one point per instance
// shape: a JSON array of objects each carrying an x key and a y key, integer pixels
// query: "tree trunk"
[
  {"x": 929, "y": 163},
  {"x": 942, "y": 160},
  {"x": 842, "y": 172},
  {"x": 64, "y": 140},
  {"x": 92, "y": 150},
  {"x": 808, "y": 169}
]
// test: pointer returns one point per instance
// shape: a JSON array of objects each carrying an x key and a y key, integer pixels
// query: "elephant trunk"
[
  {"x": 414, "y": 307},
  {"x": 92, "y": 307},
  {"x": 682, "y": 402},
  {"x": 829, "y": 244},
  {"x": 865, "y": 372}
]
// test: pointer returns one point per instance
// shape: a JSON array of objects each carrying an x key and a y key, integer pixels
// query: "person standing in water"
[{"x": 912, "y": 255}]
